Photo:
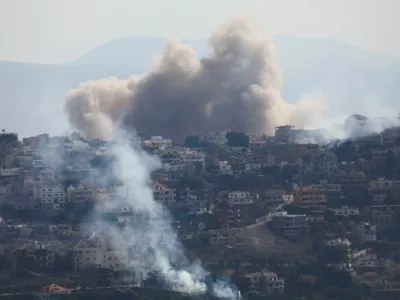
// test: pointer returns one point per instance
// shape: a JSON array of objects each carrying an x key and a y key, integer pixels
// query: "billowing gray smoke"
[{"x": 237, "y": 88}]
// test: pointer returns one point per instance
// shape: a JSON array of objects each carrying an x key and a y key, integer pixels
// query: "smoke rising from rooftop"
[{"x": 237, "y": 87}]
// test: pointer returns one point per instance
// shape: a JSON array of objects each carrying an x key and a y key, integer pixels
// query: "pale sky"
[{"x": 57, "y": 31}]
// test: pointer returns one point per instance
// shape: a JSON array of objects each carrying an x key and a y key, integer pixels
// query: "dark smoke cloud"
[{"x": 237, "y": 87}]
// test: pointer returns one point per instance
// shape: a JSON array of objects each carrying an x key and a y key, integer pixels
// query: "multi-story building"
[
  {"x": 157, "y": 142},
  {"x": 239, "y": 198},
  {"x": 310, "y": 198},
  {"x": 273, "y": 196},
  {"x": 218, "y": 138},
  {"x": 89, "y": 253},
  {"x": 9, "y": 172},
  {"x": 232, "y": 216},
  {"x": 284, "y": 134},
  {"x": 354, "y": 185},
  {"x": 367, "y": 231},
  {"x": 222, "y": 236},
  {"x": 382, "y": 183},
  {"x": 50, "y": 196},
  {"x": 290, "y": 225},
  {"x": 193, "y": 156},
  {"x": 265, "y": 282},
  {"x": 324, "y": 163},
  {"x": 163, "y": 194},
  {"x": 345, "y": 211},
  {"x": 80, "y": 194},
  {"x": 31, "y": 255},
  {"x": 333, "y": 190},
  {"x": 225, "y": 167},
  {"x": 383, "y": 215}
]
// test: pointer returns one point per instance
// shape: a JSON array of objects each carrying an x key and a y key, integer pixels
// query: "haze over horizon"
[
  {"x": 27, "y": 37},
  {"x": 329, "y": 64}
]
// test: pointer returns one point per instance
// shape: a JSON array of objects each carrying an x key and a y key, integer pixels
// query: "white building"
[
  {"x": 339, "y": 242},
  {"x": 369, "y": 260},
  {"x": 9, "y": 172},
  {"x": 239, "y": 197},
  {"x": 346, "y": 211},
  {"x": 157, "y": 142}
]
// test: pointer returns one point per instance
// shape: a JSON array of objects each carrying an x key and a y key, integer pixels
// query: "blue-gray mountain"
[{"x": 350, "y": 79}]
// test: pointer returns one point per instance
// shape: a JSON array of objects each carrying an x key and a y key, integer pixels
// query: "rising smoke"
[
  {"x": 145, "y": 239},
  {"x": 237, "y": 87}
]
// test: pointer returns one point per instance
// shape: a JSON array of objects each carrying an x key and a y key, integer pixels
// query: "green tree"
[{"x": 237, "y": 139}]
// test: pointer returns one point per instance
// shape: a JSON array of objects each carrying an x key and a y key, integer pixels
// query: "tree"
[
  {"x": 192, "y": 141},
  {"x": 329, "y": 255},
  {"x": 237, "y": 139}
]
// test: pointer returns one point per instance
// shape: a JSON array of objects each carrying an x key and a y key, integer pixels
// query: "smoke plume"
[
  {"x": 145, "y": 240},
  {"x": 237, "y": 87}
]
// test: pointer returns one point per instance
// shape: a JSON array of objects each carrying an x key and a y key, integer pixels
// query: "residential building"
[
  {"x": 89, "y": 253},
  {"x": 333, "y": 190},
  {"x": 265, "y": 282},
  {"x": 310, "y": 198},
  {"x": 367, "y": 231},
  {"x": 324, "y": 163},
  {"x": 163, "y": 194},
  {"x": 218, "y": 138},
  {"x": 157, "y": 142},
  {"x": 225, "y": 167},
  {"x": 50, "y": 196},
  {"x": 193, "y": 156},
  {"x": 345, "y": 211},
  {"x": 222, "y": 236},
  {"x": 273, "y": 196},
  {"x": 383, "y": 215},
  {"x": 9, "y": 172},
  {"x": 290, "y": 225},
  {"x": 239, "y": 197},
  {"x": 236, "y": 215},
  {"x": 80, "y": 194},
  {"x": 284, "y": 134}
]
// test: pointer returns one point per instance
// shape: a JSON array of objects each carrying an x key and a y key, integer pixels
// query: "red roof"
[{"x": 55, "y": 289}]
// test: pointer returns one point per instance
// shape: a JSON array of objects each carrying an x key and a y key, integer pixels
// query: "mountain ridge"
[{"x": 349, "y": 79}]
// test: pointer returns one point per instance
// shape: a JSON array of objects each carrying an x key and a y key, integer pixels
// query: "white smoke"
[{"x": 147, "y": 242}]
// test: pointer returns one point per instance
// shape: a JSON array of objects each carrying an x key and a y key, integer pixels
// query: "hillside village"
[{"x": 277, "y": 217}]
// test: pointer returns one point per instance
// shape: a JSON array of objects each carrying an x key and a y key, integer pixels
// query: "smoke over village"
[
  {"x": 197, "y": 180},
  {"x": 237, "y": 87}
]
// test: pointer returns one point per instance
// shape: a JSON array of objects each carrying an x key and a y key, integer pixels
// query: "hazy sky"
[{"x": 54, "y": 31}]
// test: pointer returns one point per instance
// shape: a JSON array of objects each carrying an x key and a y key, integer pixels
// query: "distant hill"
[{"x": 350, "y": 79}]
